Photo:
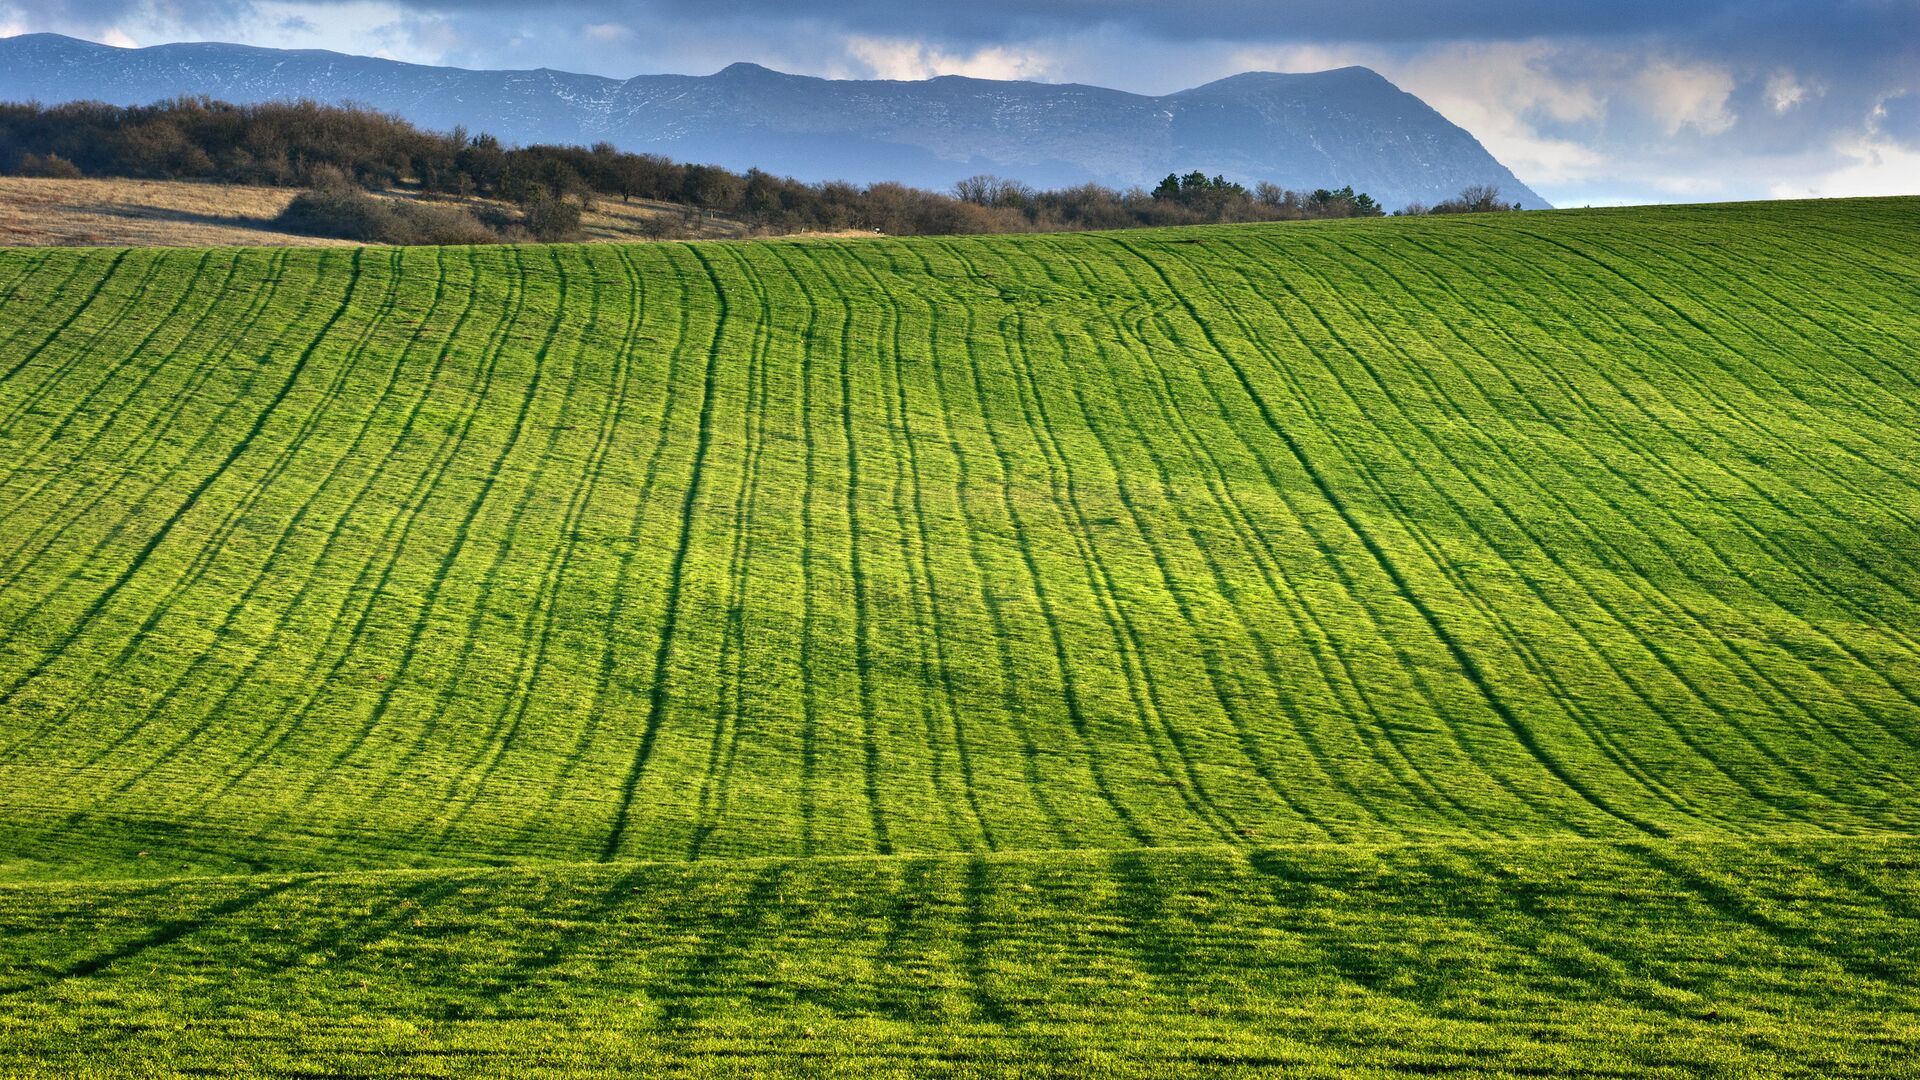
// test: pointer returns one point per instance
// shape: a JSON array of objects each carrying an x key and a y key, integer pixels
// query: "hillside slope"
[
  {"x": 119, "y": 212},
  {"x": 1304, "y": 131},
  {"x": 1531, "y": 526},
  {"x": 1483, "y": 643}
]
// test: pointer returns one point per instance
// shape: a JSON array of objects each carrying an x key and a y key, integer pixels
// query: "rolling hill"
[
  {"x": 1486, "y": 644},
  {"x": 1303, "y": 131}
]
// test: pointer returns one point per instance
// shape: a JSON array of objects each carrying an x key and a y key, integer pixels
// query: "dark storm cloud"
[
  {"x": 1316, "y": 20},
  {"x": 1353, "y": 20},
  {"x": 1379, "y": 21},
  {"x": 1385, "y": 21},
  {"x": 1844, "y": 39}
]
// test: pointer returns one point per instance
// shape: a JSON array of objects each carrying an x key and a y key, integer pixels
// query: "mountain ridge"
[{"x": 1301, "y": 130}]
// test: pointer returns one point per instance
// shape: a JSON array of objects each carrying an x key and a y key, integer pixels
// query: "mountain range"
[{"x": 1303, "y": 131}]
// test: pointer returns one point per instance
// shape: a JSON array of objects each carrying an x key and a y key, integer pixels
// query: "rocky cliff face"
[{"x": 1325, "y": 129}]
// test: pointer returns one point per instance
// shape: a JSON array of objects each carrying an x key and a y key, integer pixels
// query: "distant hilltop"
[{"x": 1349, "y": 126}]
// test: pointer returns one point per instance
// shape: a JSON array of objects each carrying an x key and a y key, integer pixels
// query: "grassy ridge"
[
  {"x": 1579, "y": 958},
  {"x": 1574, "y": 546}
]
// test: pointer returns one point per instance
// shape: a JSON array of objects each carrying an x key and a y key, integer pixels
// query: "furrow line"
[
  {"x": 21, "y": 267},
  {"x": 657, "y": 698},
  {"x": 1640, "y": 581},
  {"x": 1863, "y": 413},
  {"x": 1076, "y": 709},
  {"x": 604, "y": 684},
  {"x": 1249, "y": 744},
  {"x": 77, "y": 260},
  {"x": 1742, "y": 417},
  {"x": 1141, "y": 694},
  {"x": 217, "y": 538},
  {"x": 1146, "y": 696},
  {"x": 218, "y": 709},
  {"x": 1767, "y": 278},
  {"x": 172, "y": 521},
  {"x": 1782, "y": 555},
  {"x": 730, "y": 714},
  {"x": 1619, "y": 753},
  {"x": 153, "y": 438},
  {"x": 1429, "y": 791},
  {"x": 536, "y": 646},
  {"x": 1347, "y": 692},
  {"x": 532, "y": 640},
  {"x": 65, "y": 514},
  {"x": 862, "y": 602},
  {"x": 1037, "y": 784},
  {"x": 396, "y": 534},
  {"x": 1729, "y": 900},
  {"x": 1468, "y": 665},
  {"x": 809, "y": 684},
  {"x": 80, "y": 264},
  {"x": 81, "y": 351},
  {"x": 921, "y": 582},
  {"x": 916, "y": 557},
  {"x": 1530, "y": 655},
  {"x": 443, "y": 570},
  {"x": 926, "y": 618},
  {"x": 24, "y": 457}
]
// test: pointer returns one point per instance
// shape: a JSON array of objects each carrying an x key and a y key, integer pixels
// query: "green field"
[{"x": 1486, "y": 644}]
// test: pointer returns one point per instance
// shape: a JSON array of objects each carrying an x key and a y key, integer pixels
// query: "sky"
[{"x": 1590, "y": 103}]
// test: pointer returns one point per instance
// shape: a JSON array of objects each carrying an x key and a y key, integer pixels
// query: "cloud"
[
  {"x": 1308, "y": 57},
  {"x": 986, "y": 21},
  {"x": 1784, "y": 91},
  {"x": 898, "y": 58},
  {"x": 970, "y": 25},
  {"x": 1630, "y": 100},
  {"x": 1897, "y": 120},
  {"x": 1686, "y": 95},
  {"x": 1869, "y": 166},
  {"x": 607, "y": 32},
  {"x": 1510, "y": 96},
  {"x": 104, "y": 16}
]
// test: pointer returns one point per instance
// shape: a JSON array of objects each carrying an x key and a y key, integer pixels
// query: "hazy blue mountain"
[{"x": 1326, "y": 129}]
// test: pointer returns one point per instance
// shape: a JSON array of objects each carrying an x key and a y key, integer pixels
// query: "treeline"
[
  {"x": 338, "y": 150},
  {"x": 1476, "y": 199}
]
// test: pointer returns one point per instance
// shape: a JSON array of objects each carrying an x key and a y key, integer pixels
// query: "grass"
[
  {"x": 1455, "y": 645},
  {"x": 1576, "y": 958},
  {"x": 92, "y": 213},
  {"x": 37, "y": 212}
]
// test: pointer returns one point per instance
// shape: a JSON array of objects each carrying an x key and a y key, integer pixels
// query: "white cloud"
[
  {"x": 1784, "y": 91},
  {"x": 1872, "y": 166},
  {"x": 905, "y": 58},
  {"x": 1504, "y": 94},
  {"x": 1301, "y": 58},
  {"x": 608, "y": 32},
  {"x": 1691, "y": 187},
  {"x": 1686, "y": 95},
  {"x": 367, "y": 27}
]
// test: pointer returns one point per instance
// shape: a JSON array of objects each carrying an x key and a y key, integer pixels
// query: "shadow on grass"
[
  {"x": 164, "y": 934},
  {"x": 132, "y": 212}
]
